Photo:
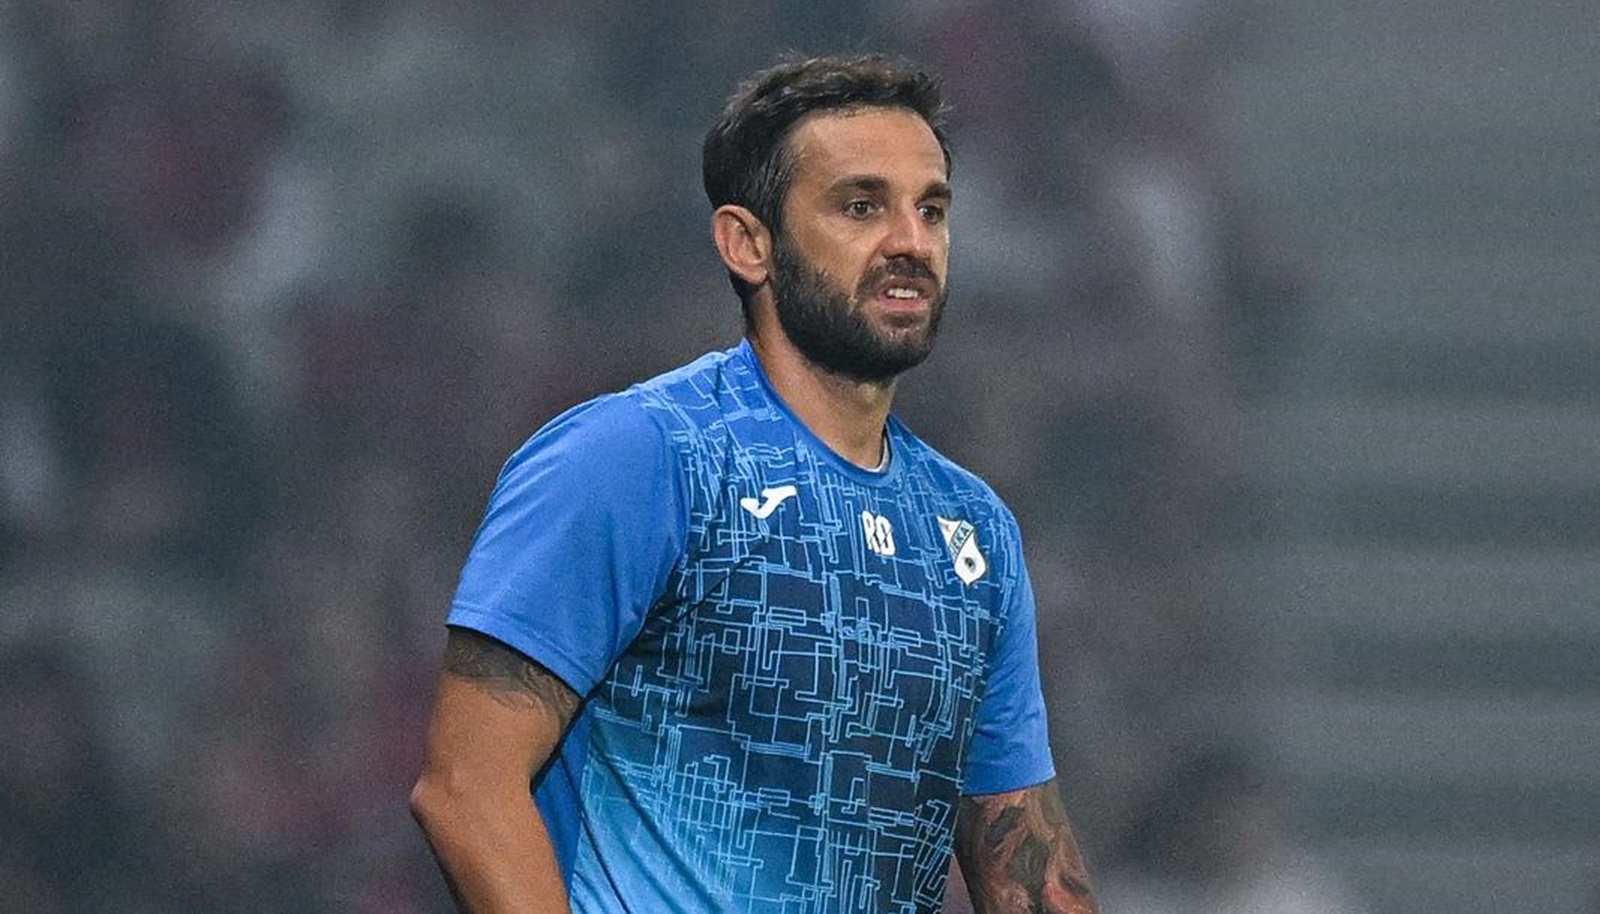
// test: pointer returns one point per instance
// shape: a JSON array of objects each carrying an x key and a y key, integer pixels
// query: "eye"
[
  {"x": 932, "y": 213},
  {"x": 859, "y": 209}
]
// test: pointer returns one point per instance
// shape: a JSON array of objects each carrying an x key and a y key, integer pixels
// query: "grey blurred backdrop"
[{"x": 1274, "y": 322}]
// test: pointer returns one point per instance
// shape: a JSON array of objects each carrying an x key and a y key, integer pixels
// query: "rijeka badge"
[{"x": 963, "y": 546}]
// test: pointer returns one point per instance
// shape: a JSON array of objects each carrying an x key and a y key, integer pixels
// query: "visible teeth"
[{"x": 898, "y": 292}]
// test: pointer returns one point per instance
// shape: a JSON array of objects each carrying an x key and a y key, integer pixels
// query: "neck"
[{"x": 848, "y": 415}]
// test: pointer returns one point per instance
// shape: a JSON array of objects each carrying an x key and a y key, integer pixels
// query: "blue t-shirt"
[{"x": 792, "y": 666}]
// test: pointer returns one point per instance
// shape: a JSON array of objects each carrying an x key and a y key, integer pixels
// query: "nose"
[{"x": 910, "y": 235}]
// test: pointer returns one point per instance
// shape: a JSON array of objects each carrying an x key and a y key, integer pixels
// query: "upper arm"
[
  {"x": 582, "y": 533},
  {"x": 498, "y": 718},
  {"x": 1017, "y": 853},
  {"x": 1011, "y": 739}
]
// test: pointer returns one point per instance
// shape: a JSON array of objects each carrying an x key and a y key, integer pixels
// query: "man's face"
[{"x": 859, "y": 266}]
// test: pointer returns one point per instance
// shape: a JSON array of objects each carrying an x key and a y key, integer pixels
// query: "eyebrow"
[{"x": 873, "y": 184}]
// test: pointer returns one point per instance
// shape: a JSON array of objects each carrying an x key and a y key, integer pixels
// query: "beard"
[{"x": 833, "y": 330}]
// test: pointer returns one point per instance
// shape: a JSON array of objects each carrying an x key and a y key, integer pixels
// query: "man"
[{"x": 756, "y": 646}]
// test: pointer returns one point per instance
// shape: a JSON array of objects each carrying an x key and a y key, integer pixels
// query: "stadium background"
[{"x": 1274, "y": 321}]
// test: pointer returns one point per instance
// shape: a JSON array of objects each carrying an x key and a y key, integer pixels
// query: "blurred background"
[{"x": 1273, "y": 321}]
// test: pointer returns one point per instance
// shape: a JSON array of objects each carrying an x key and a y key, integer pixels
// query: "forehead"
[{"x": 892, "y": 143}]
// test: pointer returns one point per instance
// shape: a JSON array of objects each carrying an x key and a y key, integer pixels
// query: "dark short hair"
[{"x": 745, "y": 160}]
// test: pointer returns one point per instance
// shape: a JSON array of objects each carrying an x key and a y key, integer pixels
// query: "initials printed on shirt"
[{"x": 879, "y": 533}]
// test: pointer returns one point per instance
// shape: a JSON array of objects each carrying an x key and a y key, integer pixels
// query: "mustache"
[{"x": 898, "y": 268}]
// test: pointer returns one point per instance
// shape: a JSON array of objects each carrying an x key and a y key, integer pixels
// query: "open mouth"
[{"x": 904, "y": 292}]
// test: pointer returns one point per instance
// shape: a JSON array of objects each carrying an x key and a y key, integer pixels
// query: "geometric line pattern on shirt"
[{"x": 788, "y": 729}]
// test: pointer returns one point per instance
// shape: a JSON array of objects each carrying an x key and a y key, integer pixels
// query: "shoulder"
[
  {"x": 696, "y": 386},
  {"x": 645, "y": 415},
  {"x": 608, "y": 429},
  {"x": 977, "y": 525},
  {"x": 667, "y": 427},
  {"x": 953, "y": 481}
]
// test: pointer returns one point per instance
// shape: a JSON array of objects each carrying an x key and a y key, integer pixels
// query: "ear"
[{"x": 744, "y": 243}]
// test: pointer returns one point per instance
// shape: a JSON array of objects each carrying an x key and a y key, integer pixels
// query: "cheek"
[
  {"x": 838, "y": 255},
  {"x": 850, "y": 264},
  {"x": 939, "y": 251}
]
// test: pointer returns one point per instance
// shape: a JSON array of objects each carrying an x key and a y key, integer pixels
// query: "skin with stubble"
[
  {"x": 848, "y": 294},
  {"x": 829, "y": 327}
]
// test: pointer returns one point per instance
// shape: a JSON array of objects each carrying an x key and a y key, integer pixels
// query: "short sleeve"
[
  {"x": 582, "y": 532},
  {"x": 1011, "y": 743}
]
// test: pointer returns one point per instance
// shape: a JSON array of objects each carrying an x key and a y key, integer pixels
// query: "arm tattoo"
[
  {"x": 508, "y": 676},
  {"x": 1018, "y": 854}
]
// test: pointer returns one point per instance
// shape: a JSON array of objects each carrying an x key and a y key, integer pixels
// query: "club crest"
[{"x": 963, "y": 545}]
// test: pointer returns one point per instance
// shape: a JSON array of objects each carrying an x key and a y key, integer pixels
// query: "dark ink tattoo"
[
  {"x": 1018, "y": 854},
  {"x": 1002, "y": 827},
  {"x": 1028, "y": 864},
  {"x": 510, "y": 677}
]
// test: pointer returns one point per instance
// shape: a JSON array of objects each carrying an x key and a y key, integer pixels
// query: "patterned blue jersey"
[{"x": 792, "y": 666}]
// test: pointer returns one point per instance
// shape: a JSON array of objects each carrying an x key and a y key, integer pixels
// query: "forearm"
[
  {"x": 494, "y": 851},
  {"x": 1018, "y": 854}
]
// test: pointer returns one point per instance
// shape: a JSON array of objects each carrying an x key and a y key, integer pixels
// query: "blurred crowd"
[{"x": 282, "y": 284}]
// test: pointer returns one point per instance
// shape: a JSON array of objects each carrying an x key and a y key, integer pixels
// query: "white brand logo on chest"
[{"x": 774, "y": 496}]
